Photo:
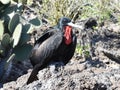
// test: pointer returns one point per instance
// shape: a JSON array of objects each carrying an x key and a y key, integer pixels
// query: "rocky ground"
[{"x": 100, "y": 71}]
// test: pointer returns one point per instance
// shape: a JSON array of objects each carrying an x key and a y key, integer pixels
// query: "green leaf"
[
  {"x": 5, "y": 1},
  {"x": 31, "y": 29},
  {"x": 1, "y": 30},
  {"x": 13, "y": 23},
  {"x": 20, "y": 7},
  {"x": 25, "y": 36},
  {"x": 17, "y": 34},
  {"x": 22, "y": 52},
  {"x": 11, "y": 10},
  {"x": 5, "y": 40},
  {"x": 26, "y": 28},
  {"x": 35, "y": 21}
]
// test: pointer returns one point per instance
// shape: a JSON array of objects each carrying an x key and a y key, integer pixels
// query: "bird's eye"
[{"x": 64, "y": 20}]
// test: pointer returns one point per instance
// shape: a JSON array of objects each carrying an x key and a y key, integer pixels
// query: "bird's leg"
[{"x": 33, "y": 75}]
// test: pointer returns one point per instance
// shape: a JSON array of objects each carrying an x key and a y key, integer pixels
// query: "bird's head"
[
  {"x": 62, "y": 22},
  {"x": 65, "y": 25}
]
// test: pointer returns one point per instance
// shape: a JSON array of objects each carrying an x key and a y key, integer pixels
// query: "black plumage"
[{"x": 56, "y": 44}]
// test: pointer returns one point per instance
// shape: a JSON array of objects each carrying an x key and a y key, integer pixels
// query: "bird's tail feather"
[{"x": 33, "y": 75}]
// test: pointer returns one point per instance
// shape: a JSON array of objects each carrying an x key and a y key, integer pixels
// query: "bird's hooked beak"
[{"x": 75, "y": 25}]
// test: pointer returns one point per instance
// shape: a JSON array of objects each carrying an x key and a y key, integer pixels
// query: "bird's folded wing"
[
  {"x": 46, "y": 34},
  {"x": 48, "y": 47}
]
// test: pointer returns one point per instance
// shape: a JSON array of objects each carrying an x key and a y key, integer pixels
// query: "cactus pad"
[
  {"x": 22, "y": 52},
  {"x": 5, "y": 40},
  {"x": 1, "y": 30},
  {"x": 13, "y": 23},
  {"x": 17, "y": 34}
]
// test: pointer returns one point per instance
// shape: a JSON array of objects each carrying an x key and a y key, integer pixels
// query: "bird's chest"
[{"x": 62, "y": 51}]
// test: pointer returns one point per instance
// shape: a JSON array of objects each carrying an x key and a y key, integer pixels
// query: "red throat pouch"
[{"x": 67, "y": 34}]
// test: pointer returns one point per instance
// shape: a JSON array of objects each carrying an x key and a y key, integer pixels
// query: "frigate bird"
[{"x": 55, "y": 44}]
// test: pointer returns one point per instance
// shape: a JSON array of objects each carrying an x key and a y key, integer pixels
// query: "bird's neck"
[{"x": 68, "y": 34}]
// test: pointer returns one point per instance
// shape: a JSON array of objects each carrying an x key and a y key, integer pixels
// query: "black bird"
[{"x": 56, "y": 44}]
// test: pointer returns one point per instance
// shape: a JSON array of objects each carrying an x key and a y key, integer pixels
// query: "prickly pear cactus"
[{"x": 14, "y": 34}]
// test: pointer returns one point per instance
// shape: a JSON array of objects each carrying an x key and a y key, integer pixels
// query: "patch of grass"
[
  {"x": 74, "y": 9},
  {"x": 99, "y": 9},
  {"x": 82, "y": 50},
  {"x": 79, "y": 49},
  {"x": 54, "y": 9}
]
